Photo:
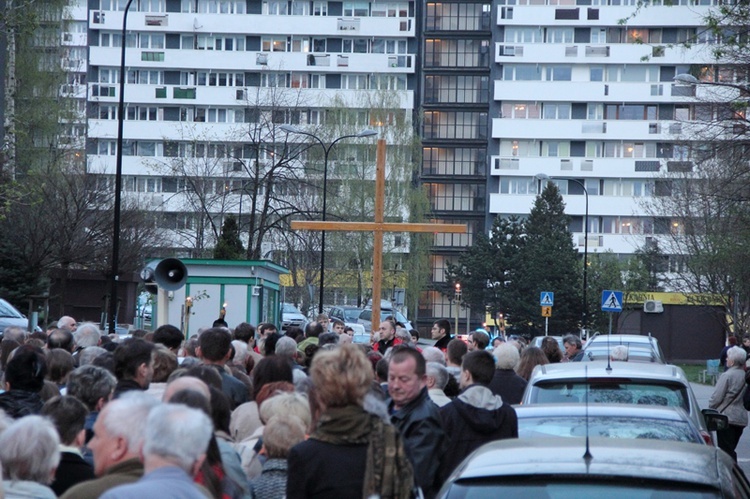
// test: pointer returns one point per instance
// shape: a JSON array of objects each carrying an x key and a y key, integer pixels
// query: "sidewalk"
[{"x": 702, "y": 394}]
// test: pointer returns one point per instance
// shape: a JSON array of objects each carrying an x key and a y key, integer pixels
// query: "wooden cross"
[{"x": 377, "y": 228}]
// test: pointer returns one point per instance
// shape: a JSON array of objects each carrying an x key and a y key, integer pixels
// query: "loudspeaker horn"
[{"x": 170, "y": 274}]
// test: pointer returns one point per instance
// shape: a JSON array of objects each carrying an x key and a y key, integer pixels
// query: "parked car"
[
  {"x": 291, "y": 316},
  {"x": 348, "y": 315},
  {"x": 608, "y": 421},
  {"x": 630, "y": 340},
  {"x": 636, "y": 353},
  {"x": 10, "y": 316},
  {"x": 597, "y": 467},
  {"x": 619, "y": 383},
  {"x": 365, "y": 318}
]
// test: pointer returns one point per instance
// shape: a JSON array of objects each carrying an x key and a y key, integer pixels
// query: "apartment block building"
[
  {"x": 584, "y": 92},
  {"x": 455, "y": 98},
  {"x": 203, "y": 75}
]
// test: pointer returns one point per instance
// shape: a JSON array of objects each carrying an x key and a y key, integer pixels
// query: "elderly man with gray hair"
[
  {"x": 118, "y": 438},
  {"x": 28, "y": 469},
  {"x": 433, "y": 354},
  {"x": 174, "y": 449},
  {"x": 505, "y": 382},
  {"x": 87, "y": 335},
  {"x": 437, "y": 378}
]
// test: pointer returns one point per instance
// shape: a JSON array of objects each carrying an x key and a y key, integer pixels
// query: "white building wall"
[
  {"x": 273, "y": 45},
  {"x": 563, "y": 96}
]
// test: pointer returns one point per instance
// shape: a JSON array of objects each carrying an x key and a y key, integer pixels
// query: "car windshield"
[
  {"x": 352, "y": 314},
  {"x": 290, "y": 309},
  {"x": 608, "y": 427},
  {"x": 611, "y": 391},
  {"x": 555, "y": 487},
  {"x": 7, "y": 310}
]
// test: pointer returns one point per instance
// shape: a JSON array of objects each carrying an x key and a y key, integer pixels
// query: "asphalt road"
[{"x": 703, "y": 393}]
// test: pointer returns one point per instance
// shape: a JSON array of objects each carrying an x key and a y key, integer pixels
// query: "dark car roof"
[{"x": 651, "y": 459}]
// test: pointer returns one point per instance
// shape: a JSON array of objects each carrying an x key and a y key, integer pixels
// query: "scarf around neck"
[{"x": 388, "y": 472}]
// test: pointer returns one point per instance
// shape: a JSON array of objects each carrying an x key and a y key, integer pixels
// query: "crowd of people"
[{"x": 251, "y": 411}]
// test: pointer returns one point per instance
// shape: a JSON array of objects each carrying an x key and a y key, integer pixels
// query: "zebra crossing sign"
[
  {"x": 611, "y": 301},
  {"x": 547, "y": 299}
]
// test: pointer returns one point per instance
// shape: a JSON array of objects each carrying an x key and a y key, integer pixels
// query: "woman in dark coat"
[{"x": 345, "y": 455}]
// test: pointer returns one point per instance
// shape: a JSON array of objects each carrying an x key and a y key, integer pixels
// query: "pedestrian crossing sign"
[
  {"x": 611, "y": 301},
  {"x": 546, "y": 311},
  {"x": 547, "y": 299}
]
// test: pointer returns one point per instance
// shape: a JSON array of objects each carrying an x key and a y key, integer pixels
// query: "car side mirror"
[{"x": 715, "y": 420}]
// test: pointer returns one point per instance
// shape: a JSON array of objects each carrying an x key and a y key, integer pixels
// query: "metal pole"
[
  {"x": 458, "y": 309},
  {"x": 468, "y": 326},
  {"x": 113, "y": 301},
  {"x": 326, "y": 150},
  {"x": 584, "y": 311}
]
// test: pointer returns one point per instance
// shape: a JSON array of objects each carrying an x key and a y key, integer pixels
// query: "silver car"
[
  {"x": 618, "y": 383},
  {"x": 608, "y": 421},
  {"x": 636, "y": 341},
  {"x": 10, "y": 316},
  {"x": 597, "y": 467}
]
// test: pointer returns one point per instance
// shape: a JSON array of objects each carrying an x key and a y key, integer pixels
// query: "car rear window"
[
  {"x": 608, "y": 427},
  {"x": 556, "y": 487},
  {"x": 611, "y": 392}
]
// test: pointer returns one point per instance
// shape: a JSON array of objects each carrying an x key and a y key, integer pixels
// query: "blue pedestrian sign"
[
  {"x": 611, "y": 301},
  {"x": 547, "y": 299}
]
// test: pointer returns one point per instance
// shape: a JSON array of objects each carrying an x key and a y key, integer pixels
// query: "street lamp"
[
  {"x": 112, "y": 319},
  {"x": 326, "y": 151},
  {"x": 584, "y": 315}
]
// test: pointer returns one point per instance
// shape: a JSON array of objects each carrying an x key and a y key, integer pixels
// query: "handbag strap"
[{"x": 736, "y": 396}]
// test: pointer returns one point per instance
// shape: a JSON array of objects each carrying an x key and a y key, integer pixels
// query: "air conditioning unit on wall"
[{"x": 653, "y": 307}]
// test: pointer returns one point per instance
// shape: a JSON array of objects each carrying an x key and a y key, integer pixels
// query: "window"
[
  {"x": 356, "y": 9},
  {"x": 455, "y": 16},
  {"x": 521, "y": 110},
  {"x": 320, "y": 8},
  {"x": 107, "y": 147},
  {"x": 455, "y": 125},
  {"x": 526, "y": 72},
  {"x": 454, "y": 161},
  {"x": 523, "y": 35},
  {"x": 559, "y": 35},
  {"x": 218, "y": 7},
  {"x": 273, "y": 44},
  {"x": 145, "y": 77},
  {"x": 107, "y": 75},
  {"x": 354, "y": 82},
  {"x": 559, "y": 73},
  {"x": 141, "y": 113},
  {"x": 456, "y": 53},
  {"x": 270, "y": 79},
  {"x": 456, "y": 89},
  {"x": 556, "y": 111}
]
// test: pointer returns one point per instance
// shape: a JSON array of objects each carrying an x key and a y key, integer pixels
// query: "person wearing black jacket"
[
  {"x": 24, "y": 379},
  {"x": 476, "y": 416},
  {"x": 416, "y": 417}
]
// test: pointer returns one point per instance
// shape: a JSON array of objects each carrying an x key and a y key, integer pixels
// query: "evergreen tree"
[
  {"x": 229, "y": 246},
  {"x": 548, "y": 261},
  {"x": 486, "y": 271}
]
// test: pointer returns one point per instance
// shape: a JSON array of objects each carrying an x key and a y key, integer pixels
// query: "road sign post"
[
  {"x": 546, "y": 300},
  {"x": 546, "y": 313},
  {"x": 612, "y": 303}
]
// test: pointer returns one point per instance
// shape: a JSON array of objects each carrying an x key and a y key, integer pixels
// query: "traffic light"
[{"x": 458, "y": 291}]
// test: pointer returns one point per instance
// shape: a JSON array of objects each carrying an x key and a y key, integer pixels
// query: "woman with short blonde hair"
[{"x": 368, "y": 452}]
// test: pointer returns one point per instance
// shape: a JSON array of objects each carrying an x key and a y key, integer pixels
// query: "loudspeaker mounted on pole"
[{"x": 169, "y": 274}]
